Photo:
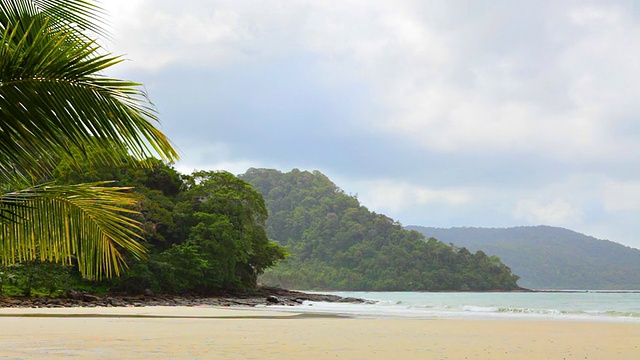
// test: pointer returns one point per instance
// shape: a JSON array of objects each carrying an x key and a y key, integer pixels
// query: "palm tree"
[{"x": 55, "y": 102}]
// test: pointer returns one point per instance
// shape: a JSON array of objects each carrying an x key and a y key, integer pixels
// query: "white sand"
[{"x": 220, "y": 333}]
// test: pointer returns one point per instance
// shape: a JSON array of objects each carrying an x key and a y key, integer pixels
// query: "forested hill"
[
  {"x": 551, "y": 258},
  {"x": 338, "y": 244}
]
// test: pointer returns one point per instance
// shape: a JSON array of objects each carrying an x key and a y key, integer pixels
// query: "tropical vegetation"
[
  {"x": 337, "y": 244},
  {"x": 204, "y": 232},
  {"x": 56, "y": 103},
  {"x": 83, "y": 194}
]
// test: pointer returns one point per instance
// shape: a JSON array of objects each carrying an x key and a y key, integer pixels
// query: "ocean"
[{"x": 573, "y": 306}]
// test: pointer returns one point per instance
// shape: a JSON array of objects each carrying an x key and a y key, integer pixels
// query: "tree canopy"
[
  {"x": 204, "y": 231},
  {"x": 338, "y": 244}
]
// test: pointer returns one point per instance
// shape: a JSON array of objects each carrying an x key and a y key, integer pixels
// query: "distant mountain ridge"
[{"x": 548, "y": 257}]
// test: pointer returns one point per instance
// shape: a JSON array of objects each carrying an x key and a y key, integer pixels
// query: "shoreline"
[
  {"x": 261, "y": 296},
  {"x": 233, "y": 333},
  {"x": 302, "y": 304}
]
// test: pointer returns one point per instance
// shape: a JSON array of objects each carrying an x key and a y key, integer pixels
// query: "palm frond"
[
  {"x": 85, "y": 17},
  {"x": 53, "y": 98},
  {"x": 55, "y": 102},
  {"x": 88, "y": 223}
]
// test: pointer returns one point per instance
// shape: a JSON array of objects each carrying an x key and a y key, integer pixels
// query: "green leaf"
[
  {"x": 54, "y": 98},
  {"x": 55, "y": 103},
  {"x": 88, "y": 224}
]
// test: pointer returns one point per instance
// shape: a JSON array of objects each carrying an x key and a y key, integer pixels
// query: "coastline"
[
  {"x": 233, "y": 333},
  {"x": 260, "y": 296}
]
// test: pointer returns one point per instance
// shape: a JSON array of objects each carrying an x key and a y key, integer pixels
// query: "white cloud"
[
  {"x": 497, "y": 109},
  {"x": 590, "y": 15},
  {"x": 234, "y": 167},
  {"x": 542, "y": 82},
  {"x": 218, "y": 156},
  {"x": 621, "y": 196},
  {"x": 455, "y": 86},
  {"x": 557, "y": 212},
  {"x": 158, "y": 34},
  {"x": 394, "y": 196}
]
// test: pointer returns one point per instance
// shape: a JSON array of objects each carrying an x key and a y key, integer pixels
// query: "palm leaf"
[
  {"x": 55, "y": 102},
  {"x": 53, "y": 99},
  {"x": 85, "y": 17},
  {"x": 88, "y": 223}
]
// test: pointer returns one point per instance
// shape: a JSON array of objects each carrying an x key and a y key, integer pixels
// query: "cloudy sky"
[{"x": 436, "y": 113}]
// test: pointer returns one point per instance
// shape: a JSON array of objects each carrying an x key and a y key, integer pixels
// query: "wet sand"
[{"x": 220, "y": 333}]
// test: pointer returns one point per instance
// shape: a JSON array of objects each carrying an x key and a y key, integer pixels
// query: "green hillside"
[
  {"x": 551, "y": 258},
  {"x": 336, "y": 243}
]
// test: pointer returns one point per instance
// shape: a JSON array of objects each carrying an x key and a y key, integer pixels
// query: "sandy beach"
[{"x": 220, "y": 333}]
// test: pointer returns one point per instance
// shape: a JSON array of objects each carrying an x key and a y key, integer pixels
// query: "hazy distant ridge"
[{"x": 550, "y": 257}]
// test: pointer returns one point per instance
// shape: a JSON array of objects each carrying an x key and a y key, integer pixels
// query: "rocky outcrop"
[{"x": 262, "y": 296}]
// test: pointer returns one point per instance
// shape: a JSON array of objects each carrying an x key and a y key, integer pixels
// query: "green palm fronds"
[
  {"x": 62, "y": 224},
  {"x": 53, "y": 98},
  {"x": 55, "y": 102},
  {"x": 84, "y": 17}
]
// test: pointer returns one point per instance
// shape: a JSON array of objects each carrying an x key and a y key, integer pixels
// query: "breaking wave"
[{"x": 617, "y": 307}]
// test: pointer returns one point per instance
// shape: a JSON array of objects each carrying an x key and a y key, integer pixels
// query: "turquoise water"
[{"x": 592, "y": 306}]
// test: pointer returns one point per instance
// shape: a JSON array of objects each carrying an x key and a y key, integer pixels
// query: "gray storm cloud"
[{"x": 439, "y": 113}]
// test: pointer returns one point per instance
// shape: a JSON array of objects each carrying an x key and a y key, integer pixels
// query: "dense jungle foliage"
[
  {"x": 338, "y": 244},
  {"x": 209, "y": 231},
  {"x": 204, "y": 233}
]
